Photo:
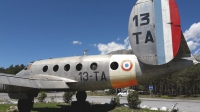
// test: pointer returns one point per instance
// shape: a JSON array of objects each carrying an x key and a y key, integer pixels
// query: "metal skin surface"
[{"x": 88, "y": 79}]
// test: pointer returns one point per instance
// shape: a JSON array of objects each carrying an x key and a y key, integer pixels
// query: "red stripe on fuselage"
[{"x": 175, "y": 26}]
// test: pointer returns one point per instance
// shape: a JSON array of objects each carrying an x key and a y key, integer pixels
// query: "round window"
[
  {"x": 93, "y": 66},
  {"x": 45, "y": 68},
  {"x": 55, "y": 68},
  {"x": 79, "y": 67},
  {"x": 114, "y": 65},
  {"x": 67, "y": 67}
]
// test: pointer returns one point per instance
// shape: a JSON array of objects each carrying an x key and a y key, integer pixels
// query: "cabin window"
[
  {"x": 55, "y": 68},
  {"x": 67, "y": 67},
  {"x": 79, "y": 67},
  {"x": 45, "y": 68},
  {"x": 93, "y": 66},
  {"x": 25, "y": 68},
  {"x": 114, "y": 65}
]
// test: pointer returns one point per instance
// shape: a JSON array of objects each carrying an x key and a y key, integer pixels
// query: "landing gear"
[{"x": 25, "y": 105}]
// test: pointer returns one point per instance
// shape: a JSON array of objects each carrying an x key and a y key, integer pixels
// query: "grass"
[
  {"x": 61, "y": 107},
  {"x": 4, "y": 107},
  {"x": 96, "y": 93}
]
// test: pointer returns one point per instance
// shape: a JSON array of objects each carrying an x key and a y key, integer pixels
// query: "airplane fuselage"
[
  {"x": 88, "y": 72},
  {"x": 98, "y": 72}
]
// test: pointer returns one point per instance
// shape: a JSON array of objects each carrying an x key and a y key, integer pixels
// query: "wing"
[{"x": 39, "y": 81}]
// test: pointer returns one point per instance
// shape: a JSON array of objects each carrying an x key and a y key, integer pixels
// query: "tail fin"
[
  {"x": 154, "y": 31},
  {"x": 184, "y": 49}
]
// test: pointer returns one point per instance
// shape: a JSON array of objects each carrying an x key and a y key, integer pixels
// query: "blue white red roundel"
[{"x": 127, "y": 65}]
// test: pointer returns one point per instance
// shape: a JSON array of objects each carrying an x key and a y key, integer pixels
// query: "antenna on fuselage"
[{"x": 84, "y": 53}]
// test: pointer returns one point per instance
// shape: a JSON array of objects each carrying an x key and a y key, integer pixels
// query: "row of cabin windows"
[{"x": 93, "y": 66}]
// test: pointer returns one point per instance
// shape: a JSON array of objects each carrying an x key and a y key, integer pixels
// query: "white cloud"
[
  {"x": 113, "y": 46},
  {"x": 127, "y": 43},
  {"x": 95, "y": 45},
  {"x": 77, "y": 42},
  {"x": 192, "y": 36},
  {"x": 192, "y": 45},
  {"x": 193, "y": 32}
]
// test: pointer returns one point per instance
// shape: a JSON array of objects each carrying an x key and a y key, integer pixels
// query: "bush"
[
  {"x": 164, "y": 96},
  {"x": 117, "y": 101},
  {"x": 42, "y": 96},
  {"x": 52, "y": 98},
  {"x": 133, "y": 99},
  {"x": 67, "y": 96}
]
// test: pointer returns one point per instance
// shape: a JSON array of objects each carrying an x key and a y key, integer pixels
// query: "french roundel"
[{"x": 127, "y": 65}]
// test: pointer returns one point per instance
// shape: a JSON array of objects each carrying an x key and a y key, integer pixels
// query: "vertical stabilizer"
[{"x": 154, "y": 31}]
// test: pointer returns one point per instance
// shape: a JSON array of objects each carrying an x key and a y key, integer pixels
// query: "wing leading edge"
[{"x": 35, "y": 82}]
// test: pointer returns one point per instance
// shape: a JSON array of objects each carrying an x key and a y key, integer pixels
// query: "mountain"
[{"x": 123, "y": 51}]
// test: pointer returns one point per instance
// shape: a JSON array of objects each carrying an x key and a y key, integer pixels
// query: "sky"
[{"x": 39, "y": 29}]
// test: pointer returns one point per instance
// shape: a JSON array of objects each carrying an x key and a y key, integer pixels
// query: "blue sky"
[{"x": 40, "y": 29}]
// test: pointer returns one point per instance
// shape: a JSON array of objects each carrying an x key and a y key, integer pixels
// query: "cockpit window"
[{"x": 28, "y": 67}]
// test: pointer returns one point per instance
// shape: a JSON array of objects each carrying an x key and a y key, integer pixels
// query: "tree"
[
  {"x": 12, "y": 69},
  {"x": 42, "y": 96},
  {"x": 2, "y": 70}
]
